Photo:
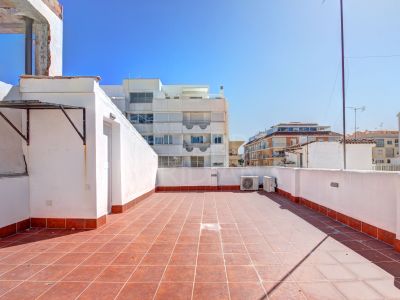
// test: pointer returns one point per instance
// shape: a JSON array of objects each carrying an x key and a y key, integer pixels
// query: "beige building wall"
[
  {"x": 386, "y": 149},
  {"x": 235, "y": 159}
]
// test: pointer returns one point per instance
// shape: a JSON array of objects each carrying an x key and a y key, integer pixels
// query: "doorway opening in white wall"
[{"x": 107, "y": 131}]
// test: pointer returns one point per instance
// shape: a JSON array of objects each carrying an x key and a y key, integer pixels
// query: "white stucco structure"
[
  {"x": 67, "y": 179},
  {"x": 185, "y": 124},
  {"x": 329, "y": 155}
]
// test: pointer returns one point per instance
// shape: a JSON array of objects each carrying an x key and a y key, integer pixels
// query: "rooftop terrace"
[{"x": 202, "y": 245}]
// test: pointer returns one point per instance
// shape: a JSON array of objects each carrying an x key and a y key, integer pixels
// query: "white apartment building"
[{"x": 185, "y": 124}]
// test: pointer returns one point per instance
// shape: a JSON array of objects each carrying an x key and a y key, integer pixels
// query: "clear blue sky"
[{"x": 278, "y": 59}]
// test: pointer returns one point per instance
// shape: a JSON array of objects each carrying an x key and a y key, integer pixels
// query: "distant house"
[
  {"x": 386, "y": 147},
  {"x": 329, "y": 155}
]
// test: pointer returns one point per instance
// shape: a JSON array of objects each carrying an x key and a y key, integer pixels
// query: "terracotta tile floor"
[{"x": 207, "y": 245}]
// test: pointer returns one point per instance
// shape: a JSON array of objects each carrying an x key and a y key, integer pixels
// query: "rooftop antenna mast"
[{"x": 343, "y": 84}]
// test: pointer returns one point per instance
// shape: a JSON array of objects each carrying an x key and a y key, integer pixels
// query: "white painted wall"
[
  {"x": 372, "y": 197},
  {"x": 136, "y": 162},
  {"x": 329, "y": 155},
  {"x": 366, "y": 196},
  {"x": 62, "y": 172},
  {"x": 184, "y": 177},
  {"x": 66, "y": 178},
  {"x": 4, "y": 89},
  {"x": 14, "y": 204},
  {"x": 11, "y": 156}
]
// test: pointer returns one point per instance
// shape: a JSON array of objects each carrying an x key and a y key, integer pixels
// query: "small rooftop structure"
[{"x": 329, "y": 154}]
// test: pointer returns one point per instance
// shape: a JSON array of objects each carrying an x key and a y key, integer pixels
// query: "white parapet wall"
[
  {"x": 14, "y": 200},
  {"x": 368, "y": 196}
]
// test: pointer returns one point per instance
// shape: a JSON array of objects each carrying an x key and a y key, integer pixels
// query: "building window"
[
  {"x": 380, "y": 142},
  {"x": 197, "y": 139},
  {"x": 263, "y": 145},
  {"x": 217, "y": 139},
  {"x": 141, "y": 97},
  {"x": 197, "y": 161},
  {"x": 170, "y": 161},
  {"x": 389, "y": 142},
  {"x": 163, "y": 140},
  {"x": 141, "y": 118},
  {"x": 149, "y": 139}
]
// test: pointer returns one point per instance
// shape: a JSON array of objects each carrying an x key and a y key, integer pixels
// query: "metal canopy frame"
[{"x": 29, "y": 105}]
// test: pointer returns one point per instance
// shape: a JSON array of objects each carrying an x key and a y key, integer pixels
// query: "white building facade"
[{"x": 185, "y": 124}]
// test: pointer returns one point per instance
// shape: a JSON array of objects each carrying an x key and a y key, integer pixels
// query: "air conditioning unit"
[
  {"x": 269, "y": 184},
  {"x": 249, "y": 183}
]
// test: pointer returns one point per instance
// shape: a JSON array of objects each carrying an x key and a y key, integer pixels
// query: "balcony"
[
  {"x": 168, "y": 149},
  {"x": 196, "y": 149},
  {"x": 279, "y": 145},
  {"x": 217, "y": 244},
  {"x": 189, "y": 105},
  {"x": 144, "y": 128},
  {"x": 196, "y": 126}
]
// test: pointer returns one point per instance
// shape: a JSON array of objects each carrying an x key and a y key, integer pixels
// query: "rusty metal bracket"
[
  {"x": 26, "y": 136},
  {"x": 83, "y": 134},
  {"x": 29, "y": 105}
]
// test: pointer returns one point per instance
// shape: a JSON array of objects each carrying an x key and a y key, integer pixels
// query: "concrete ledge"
[
  {"x": 371, "y": 230},
  {"x": 197, "y": 188},
  {"x": 14, "y": 228},
  {"x": 68, "y": 223},
  {"x": 117, "y": 209}
]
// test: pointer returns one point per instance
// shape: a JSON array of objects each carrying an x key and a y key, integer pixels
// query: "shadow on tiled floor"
[
  {"x": 378, "y": 252},
  {"x": 34, "y": 235}
]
